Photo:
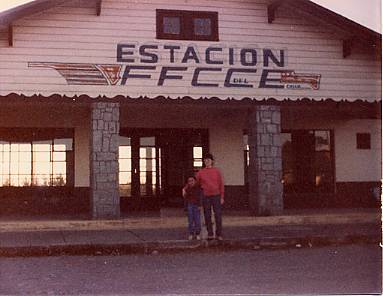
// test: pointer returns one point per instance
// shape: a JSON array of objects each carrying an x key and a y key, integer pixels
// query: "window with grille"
[{"x": 187, "y": 25}]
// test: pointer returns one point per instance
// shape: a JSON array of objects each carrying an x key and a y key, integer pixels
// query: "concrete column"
[
  {"x": 104, "y": 137},
  {"x": 265, "y": 167}
]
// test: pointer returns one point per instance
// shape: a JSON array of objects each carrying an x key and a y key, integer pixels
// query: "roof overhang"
[
  {"x": 348, "y": 29},
  {"x": 7, "y": 17},
  {"x": 37, "y": 6}
]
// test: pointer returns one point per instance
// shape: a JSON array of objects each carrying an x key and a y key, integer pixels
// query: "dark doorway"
[
  {"x": 154, "y": 164},
  {"x": 308, "y": 168}
]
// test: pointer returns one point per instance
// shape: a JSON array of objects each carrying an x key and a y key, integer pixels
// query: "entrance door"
[
  {"x": 182, "y": 157},
  {"x": 139, "y": 172},
  {"x": 154, "y": 165},
  {"x": 304, "y": 147},
  {"x": 308, "y": 168}
]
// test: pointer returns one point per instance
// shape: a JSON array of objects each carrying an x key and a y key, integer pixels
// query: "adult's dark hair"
[{"x": 208, "y": 156}]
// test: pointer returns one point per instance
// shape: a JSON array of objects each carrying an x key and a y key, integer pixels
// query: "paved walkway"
[{"x": 167, "y": 233}]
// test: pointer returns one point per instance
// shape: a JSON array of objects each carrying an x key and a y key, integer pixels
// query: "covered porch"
[{"x": 127, "y": 156}]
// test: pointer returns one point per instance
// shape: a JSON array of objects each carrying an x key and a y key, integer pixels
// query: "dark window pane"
[
  {"x": 126, "y": 189},
  {"x": 288, "y": 159},
  {"x": 63, "y": 144},
  {"x": 323, "y": 171},
  {"x": 172, "y": 25},
  {"x": 58, "y": 180},
  {"x": 363, "y": 141},
  {"x": 148, "y": 141},
  {"x": 202, "y": 26},
  {"x": 187, "y": 25}
]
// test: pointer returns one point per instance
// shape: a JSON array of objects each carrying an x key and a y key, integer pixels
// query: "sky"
[{"x": 365, "y": 12}]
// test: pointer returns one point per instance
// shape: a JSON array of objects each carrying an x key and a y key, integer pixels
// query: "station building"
[{"x": 107, "y": 106}]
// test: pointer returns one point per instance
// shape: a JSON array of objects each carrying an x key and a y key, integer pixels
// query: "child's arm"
[{"x": 184, "y": 191}]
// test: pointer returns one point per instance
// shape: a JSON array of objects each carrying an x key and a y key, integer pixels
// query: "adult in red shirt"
[{"x": 211, "y": 181}]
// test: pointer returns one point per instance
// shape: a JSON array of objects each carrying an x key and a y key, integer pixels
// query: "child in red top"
[
  {"x": 211, "y": 181},
  {"x": 192, "y": 195}
]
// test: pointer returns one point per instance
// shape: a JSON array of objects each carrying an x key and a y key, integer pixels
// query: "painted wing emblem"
[
  {"x": 84, "y": 74},
  {"x": 313, "y": 80}
]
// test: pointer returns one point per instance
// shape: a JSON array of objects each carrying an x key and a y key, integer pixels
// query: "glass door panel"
[
  {"x": 139, "y": 166},
  {"x": 148, "y": 166},
  {"x": 125, "y": 165},
  {"x": 323, "y": 163}
]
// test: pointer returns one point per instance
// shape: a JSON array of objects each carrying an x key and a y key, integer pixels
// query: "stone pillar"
[
  {"x": 265, "y": 155},
  {"x": 104, "y": 138}
]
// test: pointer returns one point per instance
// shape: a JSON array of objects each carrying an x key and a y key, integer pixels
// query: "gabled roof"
[
  {"x": 13, "y": 14},
  {"x": 10, "y": 15},
  {"x": 304, "y": 6},
  {"x": 350, "y": 30},
  {"x": 324, "y": 16}
]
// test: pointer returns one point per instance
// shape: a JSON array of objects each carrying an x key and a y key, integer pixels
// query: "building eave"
[
  {"x": 348, "y": 28},
  {"x": 9, "y": 16}
]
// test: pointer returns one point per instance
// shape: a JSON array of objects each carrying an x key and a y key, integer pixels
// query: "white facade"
[
  {"x": 354, "y": 165},
  {"x": 75, "y": 34}
]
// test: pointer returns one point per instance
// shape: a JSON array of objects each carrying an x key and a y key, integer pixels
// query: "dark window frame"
[
  {"x": 363, "y": 141},
  {"x": 186, "y": 25}
]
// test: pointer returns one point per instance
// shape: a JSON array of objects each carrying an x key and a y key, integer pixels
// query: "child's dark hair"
[{"x": 191, "y": 176}]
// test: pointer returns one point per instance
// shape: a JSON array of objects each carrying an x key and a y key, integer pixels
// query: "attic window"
[{"x": 187, "y": 25}]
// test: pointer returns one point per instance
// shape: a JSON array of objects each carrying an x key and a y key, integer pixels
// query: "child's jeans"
[{"x": 194, "y": 219}]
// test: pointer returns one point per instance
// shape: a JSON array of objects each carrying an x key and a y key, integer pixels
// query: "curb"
[
  {"x": 149, "y": 223},
  {"x": 154, "y": 248}
]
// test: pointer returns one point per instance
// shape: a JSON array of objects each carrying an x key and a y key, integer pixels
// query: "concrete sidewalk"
[{"x": 37, "y": 237}]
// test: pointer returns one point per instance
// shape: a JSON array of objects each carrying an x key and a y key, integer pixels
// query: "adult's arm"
[{"x": 221, "y": 187}]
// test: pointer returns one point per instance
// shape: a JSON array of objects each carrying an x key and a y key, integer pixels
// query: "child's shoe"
[{"x": 198, "y": 237}]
